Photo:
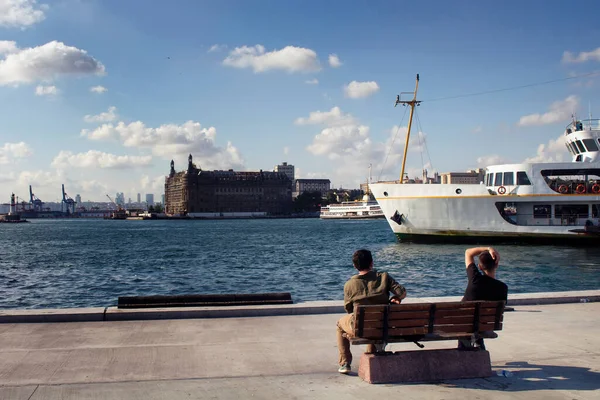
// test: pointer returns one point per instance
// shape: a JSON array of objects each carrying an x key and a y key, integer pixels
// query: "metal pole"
[{"x": 412, "y": 104}]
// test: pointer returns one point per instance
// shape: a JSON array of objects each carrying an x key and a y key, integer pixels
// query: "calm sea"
[{"x": 81, "y": 263}]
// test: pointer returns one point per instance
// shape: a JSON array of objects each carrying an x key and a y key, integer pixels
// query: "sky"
[{"x": 102, "y": 94}]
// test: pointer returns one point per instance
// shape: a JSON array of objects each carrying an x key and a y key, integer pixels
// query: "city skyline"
[{"x": 101, "y": 96}]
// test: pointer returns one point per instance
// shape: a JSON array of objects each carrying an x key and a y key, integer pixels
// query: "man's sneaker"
[{"x": 344, "y": 369}]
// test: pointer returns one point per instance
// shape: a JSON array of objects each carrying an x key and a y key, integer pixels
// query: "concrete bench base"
[{"x": 424, "y": 366}]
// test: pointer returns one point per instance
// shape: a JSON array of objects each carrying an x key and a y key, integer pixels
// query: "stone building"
[
  {"x": 199, "y": 193},
  {"x": 311, "y": 185},
  {"x": 473, "y": 177}
]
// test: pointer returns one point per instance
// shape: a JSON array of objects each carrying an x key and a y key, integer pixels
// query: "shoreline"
[{"x": 112, "y": 313}]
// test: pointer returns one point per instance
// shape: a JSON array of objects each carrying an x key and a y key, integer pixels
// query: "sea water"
[{"x": 85, "y": 263}]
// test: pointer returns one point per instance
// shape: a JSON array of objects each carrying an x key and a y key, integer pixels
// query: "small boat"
[{"x": 12, "y": 219}]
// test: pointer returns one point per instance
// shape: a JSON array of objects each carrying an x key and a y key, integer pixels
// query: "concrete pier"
[{"x": 551, "y": 350}]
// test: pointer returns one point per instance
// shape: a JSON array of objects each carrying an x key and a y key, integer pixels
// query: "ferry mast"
[{"x": 412, "y": 103}]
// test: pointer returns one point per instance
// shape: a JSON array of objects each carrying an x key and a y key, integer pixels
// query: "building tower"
[{"x": 287, "y": 169}]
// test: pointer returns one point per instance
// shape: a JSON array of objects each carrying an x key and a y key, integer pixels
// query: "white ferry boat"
[
  {"x": 527, "y": 202},
  {"x": 364, "y": 209}
]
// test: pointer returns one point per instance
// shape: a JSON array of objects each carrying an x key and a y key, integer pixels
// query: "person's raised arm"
[{"x": 473, "y": 252}]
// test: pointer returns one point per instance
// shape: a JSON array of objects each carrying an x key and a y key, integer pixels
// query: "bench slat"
[
  {"x": 463, "y": 312},
  {"x": 425, "y": 338},
  {"x": 409, "y": 323},
  {"x": 462, "y": 328},
  {"x": 398, "y": 315},
  {"x": 465, "y": 320}
]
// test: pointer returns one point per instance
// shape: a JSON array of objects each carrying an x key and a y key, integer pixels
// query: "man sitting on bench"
[
  {"x": 482, "y": 286},
  {"x": 368, "y": 287}
]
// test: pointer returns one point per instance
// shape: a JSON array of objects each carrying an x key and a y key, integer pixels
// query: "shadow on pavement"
[{"x": 528, "y": 377}]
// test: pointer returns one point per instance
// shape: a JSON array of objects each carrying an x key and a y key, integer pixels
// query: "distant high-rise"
[
  {"x": 139, "y": 198},
  {"x": 120, "y": 199},
  {"x": 78, "y": 199},
  {"x": 287, "y": 169},
  {"x": 163, "y": 200},
  {"x": 150, "y": 199}
]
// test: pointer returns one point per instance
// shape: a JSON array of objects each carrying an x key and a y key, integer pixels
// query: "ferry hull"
[{"x": 469, "y": 213}]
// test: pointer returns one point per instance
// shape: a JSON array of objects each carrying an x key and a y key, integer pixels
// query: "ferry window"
[
  {"x": 595, "y": 210},
  {"x": 522, "y": 178},
  {"x": 580, "y": 146},
  {"x": 509, "y": 178},
  {"x": 571, "y": 210},
  {"x": 488, "y": 179},
  {"x": 590, "y": 144},
  {"x": 541, "y": 211},
  {"x": 572, "y": 148},
  {"x": 498, "y": 181}
]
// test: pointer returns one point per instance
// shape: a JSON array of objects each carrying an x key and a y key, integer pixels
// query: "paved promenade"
[{"x": 553, "y": 352}]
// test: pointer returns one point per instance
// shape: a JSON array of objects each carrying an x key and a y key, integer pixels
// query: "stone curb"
[{"x": 101, "y": 314}]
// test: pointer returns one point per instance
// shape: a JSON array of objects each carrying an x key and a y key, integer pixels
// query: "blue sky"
[{"x": 249, "y": 84}]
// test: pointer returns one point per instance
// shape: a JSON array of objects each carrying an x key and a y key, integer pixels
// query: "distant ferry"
[{"x": 364, "y": 209}]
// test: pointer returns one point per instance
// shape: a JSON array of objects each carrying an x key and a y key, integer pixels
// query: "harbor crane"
[
  {"x": 68, "y": 204},
  {"x": 35, "y": 202},
  {"x": 119, "y": 208}
]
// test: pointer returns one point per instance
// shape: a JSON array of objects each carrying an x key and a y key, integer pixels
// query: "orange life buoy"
[
  {"x": 563, "y": 189},
  {"x": 580, "y": 189},
  {"x": 501, "y": 190},
  {"x": 595, "y": 188}
]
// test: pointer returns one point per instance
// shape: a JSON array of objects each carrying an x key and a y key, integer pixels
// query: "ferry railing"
[{"x": 583, "y": 124}]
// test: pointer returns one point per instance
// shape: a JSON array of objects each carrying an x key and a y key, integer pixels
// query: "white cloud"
[
  {"x": 173, "y": 141},
  {"x": 348, "y": 143},
  {"x": 109, "y": 116},
  {"x": 153, "y": 185},
  {"x": 20, "y": 13},
  {"x": 45, "y": 63},
  {"x": 338, "y": 141},
  {"x": 584, "y": 56},
  {"x": 8, "y": 46},
  {"x": 314, "y": 81},
  {"x": 334, "y": 61},
  {"x": 98, "y": 89},
  {"x": 98, "y": 159},
  {"x": 356, "y": 90},
  {"x": 286, "y": 150},
  {"x": 7, "y": 177},
  {"x": 11, "y": 151},
  {"x": 553, "y": 151},
  {"x": 477, "y": 129},
  {"x": 492, "y": 159},
  {"x": 558, "y": 111},
  {"x": 46, "y": 90},
  {"x": 335, "y": 116},
  {"x": 216, "y": 48},
  {"x": 290, "y": 59}
]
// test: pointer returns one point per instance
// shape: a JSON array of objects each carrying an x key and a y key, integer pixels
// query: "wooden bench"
[{"x": 471, "y": 320}]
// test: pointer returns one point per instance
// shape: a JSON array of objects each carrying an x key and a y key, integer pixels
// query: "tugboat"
[{"x": 12, "y": 217}]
